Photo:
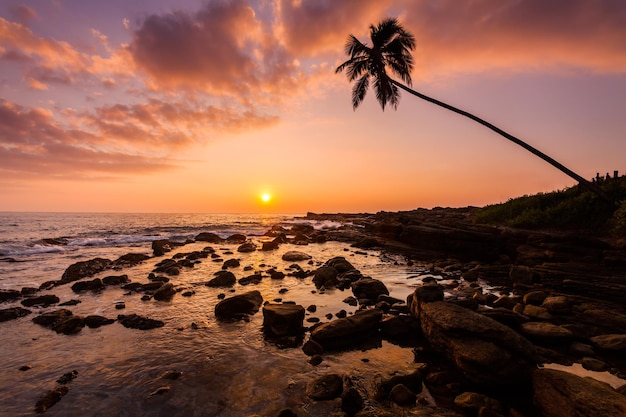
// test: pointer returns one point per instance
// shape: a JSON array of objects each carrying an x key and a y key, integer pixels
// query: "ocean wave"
[{"x": 30, "y": 250}]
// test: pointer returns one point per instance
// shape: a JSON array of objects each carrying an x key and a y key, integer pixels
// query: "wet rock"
[
  {"x": 231, "y": 263},
  {"x": 161, "y": 247},
  {"x": 400, "y": 327},
  {"x": 13, "y": 313},
  {"x": 283, "y": 319},
  {"x": 67, "y": 377},
  {"x": 9, "y": 295},
  {"x": 70, "y": 303},
  {"x": 165, "y": 293},
  {"x": 610, "y": 342},
  {"x": 473, "y": 402},
  {"x": 521, "y": 274},
  {"x": 50, "y": 318},
  {"x": 485, "y": 351},
  {"x": 41, "y": 301},
  {"x": 271, "y": 245},
  {"x": 115, "y": 280},
  {"x": 84, "y": 269},
  {"x": 93, "y": 285},
  {"x": 325, "y": 276},
  {"x": 581, "y": 349},
  {"x": 535, "y": 298},
  {"x": 557, "y": 305},
  {"x": 341, "y": 264},
  {"x": 402, "y": 396},
  {"x": 347, "y": 331},
  {"x": 351, "y": 301},
  {"x": 312, "y": 348},
  {"x": 69, "y": 325},
  {"x": 236, "y": 238},
  {"x": 247, "y": 247},
  {"x": 95, "y": 321},
  {"x": 536, "y": 312},
  {"x": 504, "y": 301},
  {"x": 351, "y": 401},
  {"x": 295, "y": 256},
  {"x": 546, "y": 332},
  {"x": 208, "y": 237},
  {"x": 411, "y": 378},
  {"x": 251, "y": 279},
  {"x": 594, "y": 364},
  {"x": 274, "y": 274},
  {"x": 222, "y": 279},
  {"x": 134, "y": 321},
  {"x": 239, "y": 305},
  {"x": 369, "y": 288},
  {"x": 561, "y": 394},
  {"x": 51, "y": 398},
  {"x": 121, "y": 305},
  {"x": 327, "y": 387},
  {"x": 130, "y": 259},
  {"x": 507, "y": 317}
]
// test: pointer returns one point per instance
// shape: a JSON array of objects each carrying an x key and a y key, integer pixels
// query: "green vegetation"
[{"x": 570, "y": 209}]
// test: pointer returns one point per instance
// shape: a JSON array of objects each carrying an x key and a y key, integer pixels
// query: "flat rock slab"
[{"x": 547, "y": 332}]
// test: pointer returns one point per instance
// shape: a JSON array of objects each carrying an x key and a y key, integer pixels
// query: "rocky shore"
[{"x": 500, "y": 306}]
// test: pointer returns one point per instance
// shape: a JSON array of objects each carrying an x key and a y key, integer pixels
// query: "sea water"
[{"x": 228, "y": 369}]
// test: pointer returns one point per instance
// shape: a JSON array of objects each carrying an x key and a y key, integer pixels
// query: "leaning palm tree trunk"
[{"x": 582, "y": 181}]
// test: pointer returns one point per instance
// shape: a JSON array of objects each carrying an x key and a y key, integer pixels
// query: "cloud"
[
  {"x": 518, "y": 35},
  {"x": 22, "y": 13}
]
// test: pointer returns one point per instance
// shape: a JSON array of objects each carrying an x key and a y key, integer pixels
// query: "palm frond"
[{"x": 359, "y": 90}]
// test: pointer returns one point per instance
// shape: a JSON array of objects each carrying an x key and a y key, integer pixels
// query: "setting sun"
[{"x": 266, "y": 197}]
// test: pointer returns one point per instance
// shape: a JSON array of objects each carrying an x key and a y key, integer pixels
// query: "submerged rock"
[
  {"x": 327, "y": 387},
  {"x": 51, "y": 398},
  {"x": 41, "y": 301},
  {"x": 13, "y": 313},
  {"x": 165, "y": 292},
  {"x": 134, "y": 321}
]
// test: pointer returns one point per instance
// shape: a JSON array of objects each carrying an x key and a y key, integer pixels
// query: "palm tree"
[{"x": 391, "y": 49}]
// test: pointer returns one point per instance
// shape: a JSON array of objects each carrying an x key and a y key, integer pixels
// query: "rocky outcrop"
[
  {"x": 283, "y": 319},
  {"x": 13, "y": 313},
  {"x": 238, "y": 306},
  {"x": 84, "y": 269},
  {"x": 561, "y": 394},
  {"x": 369, "y": 289},
  {"x": 208, "y": 237},
  {"x": 41, "y": 301}
]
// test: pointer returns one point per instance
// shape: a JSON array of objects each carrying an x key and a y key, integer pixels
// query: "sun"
[{"x": 266, "y": 197}]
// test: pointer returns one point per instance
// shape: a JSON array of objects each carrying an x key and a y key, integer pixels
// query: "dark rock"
[
  {"x": 134, "y": 321},
  {"x": 535, "y": 297},
  {"x": 411, "y": 378},
  {"x": 312, "y": 348},
  {"x": 13, "y": 313},
  {"x": 41, "y": 301},
  {"x": 473, "y": 402},
  {"x": 208, "y": 237},
  {"x": 130, "y": 259},
  {"x": 222, "y": 279},
  {"x": 151, "y": 286},
  {"x": 274, "y": 274},
  {"x": 84, "y": 269},
  {"x": 341, "y": 264},
  {"x": 239, "y": 305},
  {"x": 594, "y": 364},
  {"x": 341, "y": 314},
  {"x": 51, "y": 398},
  {"x": 325, "y": 276},
  {"x": 561, "y": 394},
  {"x": 115, "y": 280},
  {"x": 28, "y": 291},
  {"x": 351, "y": 401},
  {"x": 251, "y": 279},
  {"x": 504, "y": 301},
  {"x": 402, "y": 396},
  {"x": 610, "y": 342},
  {"x": 505, "y": 316},
  {"x": 368, "y": 288},
  {"x": 483, "y": 350},
  {"x": 231, "y": 263},
  {"x": 295, "y": 256},
  {"x": 283, "y": 319},
  {"x": 316, "y": 360},
  {"x": 70, "y": 303},
  {"x": 236, "y": 238},
  {"x": 52, "y": 317},
  {"x": 546, "y": 332},
  {"x": 400, "y": 327},
  {"x": 165, "y": 293},
  {"x": 351, "y": 301},
  {"x": 271, "y": 245},
  {"x": 95, "y": 321},
  {"x": 94, "y": 285},
  {"x": 536, "y": 312},
  {"x": 120, "y": 305},
  {"x": 557, "y": 305},
  {"x": 9, "y": 295},
  {"x": 247, "y": 247},
  {"x": 327, "y": 387},
  {"x": 347, "y": 331},
  {"x": 69, "y": 325},
  {"x": 521, "y": 274},
  {"x": 67, "y": 377},
  {"x": 287, "y": 413}
]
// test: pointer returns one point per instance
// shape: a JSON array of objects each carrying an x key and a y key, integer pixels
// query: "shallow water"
[{"x": 229, "y": 369}]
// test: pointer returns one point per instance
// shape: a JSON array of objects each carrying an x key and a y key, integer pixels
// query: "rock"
[
  {"x": 401, "y": 327},
  {"x": 134, "y": 321},
  {"x": 69, "y": 325},
  {"x": 165, "y": 293},
  {"x": 160, "y": 391},
  {"x": 13, "y": 313},
  {"x": 594, "y": 364},
  {"x": 612, "y": 342},
  {"x": 115, "y": 280},
  {"x": 327, "y": 387},
  {"x": 546, "y": 332},
  {"x": 325, "y": 276},
  {"x": 70, "y": 303},
  {"x": 9, "y": 295},
  {"x": 557, "y": 305},
  {"x": 351, "y": 401},
  {"x": 521, "y": 274},
  {"x": 347, "y": 331},
  {"x": 581, "y": 349},
  {"x": 208, "y": 237},
  {"x": 535, "y": 297},
  {"x": 222, "y": 279},
  {"x": 231, "y": 263},
  {"x": 295, "y": 256},
  {"x": 239, "y": 305},
  {"x": 236, "y": 238},
  {"x": 95, "y": 321},
  {"x": 50, "y": 318},
  {"x": 283, "y": 319},
  {"x": 504, "y": 301},
  {"x": 172, "y": 375},
  {"x": 251, "y": 279},
  {"x": 561, "y": 394},
  {"x": 271, "y": 245},
  {"x": 402, "y": 396},
  {"x": 67, "y": 377},
  {"x": 411, "y": 378},
  {"x": 247, "y": 247},
  {"x": 483, "y": 350},
  {"x": 535, "y": 312},
  {"x": 274, "y": 274},
  {"x": 312, "y": 348},
  {"x": 368, "y": 288},
  {"x": 351, "y": 301},
  {"x": 93, "y": 285},
  {"x": 340, "y": 263},
  {"x": 130, "y": 259},
  {"x": 473, "y": 402},
  {"x": 84, "y": 269},
  {"x": 41, "y": 301},
  {"x": 428, "y": 293},
  {"x": 51, "y": 398},
  {"x": 505, "y": 316}
]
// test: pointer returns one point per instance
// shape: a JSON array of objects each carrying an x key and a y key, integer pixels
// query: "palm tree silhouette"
[{"x": 391, "y": 48}]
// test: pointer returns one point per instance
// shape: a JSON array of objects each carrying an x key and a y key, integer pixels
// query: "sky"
[{"x": 194, "y": 106}]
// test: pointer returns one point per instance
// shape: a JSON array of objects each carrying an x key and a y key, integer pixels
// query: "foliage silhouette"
[{"x": 391, "y": 49}]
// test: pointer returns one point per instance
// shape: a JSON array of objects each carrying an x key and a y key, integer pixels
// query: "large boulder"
[
  {"x": 561, "y": 394},
  {"x": 485, "y": 351},
  {"x": 239, "y": 305},
  {"x": 283, "y": 319},
  {"x": 349, "y": 330}
]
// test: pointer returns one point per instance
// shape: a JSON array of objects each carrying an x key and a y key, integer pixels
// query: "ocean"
[{"x": 227, "y": 369}]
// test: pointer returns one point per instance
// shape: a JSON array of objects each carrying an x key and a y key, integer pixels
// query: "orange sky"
[{"x": 203, "y": 106}]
